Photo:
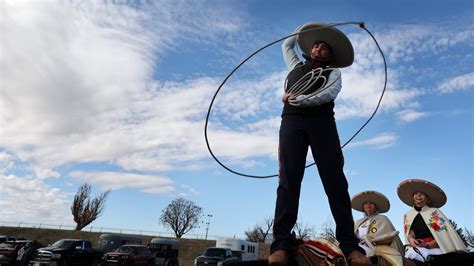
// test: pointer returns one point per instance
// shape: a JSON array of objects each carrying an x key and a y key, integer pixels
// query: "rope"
[
  {"x": 361, "y": 25},
  {"x": 306, "y": 82}
]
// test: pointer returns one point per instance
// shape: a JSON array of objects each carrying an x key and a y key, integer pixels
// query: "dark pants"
[{"x": 297, "y": 133}]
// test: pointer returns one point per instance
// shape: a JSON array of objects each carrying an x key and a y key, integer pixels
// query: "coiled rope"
[
  {"x": 361, "y": 25},
  {"x": 305, "y": 83}
]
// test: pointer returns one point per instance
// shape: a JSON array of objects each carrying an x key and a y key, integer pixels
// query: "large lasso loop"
[{"x": 361, "y": 25}]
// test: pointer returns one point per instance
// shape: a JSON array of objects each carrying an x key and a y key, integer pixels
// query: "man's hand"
[{"x": 285, "y": 97}]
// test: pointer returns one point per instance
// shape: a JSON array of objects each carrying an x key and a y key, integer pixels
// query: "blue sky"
[{"x": 115, "y": 93}]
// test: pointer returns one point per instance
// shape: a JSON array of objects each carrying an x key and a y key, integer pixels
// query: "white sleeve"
[
  {"x": 327, "y": 95},
  {"x": 288, "y": 50}
]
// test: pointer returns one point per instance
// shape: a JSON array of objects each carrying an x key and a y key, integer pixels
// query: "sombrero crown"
[
  {"x": 381, "y": 202},
  {"x": 336, "y": 39},
  {"x": 407, "y": 188}
]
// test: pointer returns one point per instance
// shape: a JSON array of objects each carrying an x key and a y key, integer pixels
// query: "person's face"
[
  {"x": 420, "y": 199},
  {"x": 321, "y": 50},
  {"x": 369, "y": 208}
]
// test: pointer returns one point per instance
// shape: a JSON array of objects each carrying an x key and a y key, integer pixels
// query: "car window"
[
  {"x": 125, "y": 249},
  {"x": 63, "y": 243},
  {"x": 214, "y": 252},
  {"x": 79, "y": 245}
]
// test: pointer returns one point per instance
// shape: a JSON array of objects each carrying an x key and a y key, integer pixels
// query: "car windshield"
[
  {"x": 214, "y": 252},
  {"x": 63, "y": 244},
  {"x": 125, "y": 249}
]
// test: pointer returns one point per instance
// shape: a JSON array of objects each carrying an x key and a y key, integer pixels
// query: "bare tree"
[
  {"x": 84, "y": 209},
  {"x": 259, "y": 233},
  {"x": 303, "y": 231},
  {"x": 469, "y": 237},
  {"x": 328, "y": 230},
  {"x": 181, "y": 216},
  {"x": 254, "y": 234},
  {"x": 266, "y": 228},
  {"x": 461, "y": 233}
]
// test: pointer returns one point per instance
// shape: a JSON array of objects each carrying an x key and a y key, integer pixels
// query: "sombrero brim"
[
  {"x": 340, "y": 45},
  {"x": 407, "y": 188},
  {"x": 381, "y": 202}
]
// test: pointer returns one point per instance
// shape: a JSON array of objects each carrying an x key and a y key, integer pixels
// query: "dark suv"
[
  {"x": 67, "y": 252},
  {"x": 129, "y": 255},
  {"x": 215, "y": 257}
]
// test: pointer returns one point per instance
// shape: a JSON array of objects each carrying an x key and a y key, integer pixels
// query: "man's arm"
[
  {"x": 288, "y": 50},
  {"x": 327, "y": 95}
]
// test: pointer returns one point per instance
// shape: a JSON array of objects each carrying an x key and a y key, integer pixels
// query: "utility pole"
[{"x": 208, "y": 223}]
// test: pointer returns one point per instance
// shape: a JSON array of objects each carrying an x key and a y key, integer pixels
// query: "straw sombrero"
[
  {"x": 407, "y": 188},
  {"x": 336, "y": 39},
  {"x": 381, "y": 202}
]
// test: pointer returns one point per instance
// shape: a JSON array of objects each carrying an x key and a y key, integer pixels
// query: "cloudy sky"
[{"x": 115, "y": 94}]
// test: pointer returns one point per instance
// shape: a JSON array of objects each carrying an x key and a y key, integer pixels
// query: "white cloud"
[
  {"x": 6, "y": 158},
  {"x": 152, "y": 184},
  {"x": 240, "y": 145},
  {"x": 188, "y": 190},
  {"x": 27, "y": 199},
  {"x": 77, "y": 77},
  {"x": 7, "y": 161},
  {"x": 363, "y": 83},
  {"x": 402, "y": 44},
  {"x": 362, "y": 90},
  {"x": 78, "y": 87},
  {"x": 381, "y": 141},
  {"x": 459, "y": 83},
  {"x": 42, "y": 173},
  {"x": 250, "y": 98},
  {"x": 265, "y": 126},
  {"x": 410, "y": 115},
  {"x": 409, "y": 42}
]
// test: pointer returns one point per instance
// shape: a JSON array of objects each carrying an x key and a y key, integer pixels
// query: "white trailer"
[{"x": 248, "y": 250}]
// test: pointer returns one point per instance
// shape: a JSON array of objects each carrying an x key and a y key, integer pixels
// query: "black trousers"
[{"x": 297, "y": 133}]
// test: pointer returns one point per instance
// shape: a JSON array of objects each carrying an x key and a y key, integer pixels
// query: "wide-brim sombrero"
[
  {"x": 407, "y": 188},
  {"x": 340, "y": 45},
  {"x": 381, "y": 202}
]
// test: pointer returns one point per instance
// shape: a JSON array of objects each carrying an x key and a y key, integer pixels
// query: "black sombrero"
[{"x": 336, "y": 39}]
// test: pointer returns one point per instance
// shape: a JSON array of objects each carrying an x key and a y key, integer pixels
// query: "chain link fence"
[{"x": 101, "y": 229}]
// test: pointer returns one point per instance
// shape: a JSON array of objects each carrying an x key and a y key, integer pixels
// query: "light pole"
[{"x": 208, "y": 223}]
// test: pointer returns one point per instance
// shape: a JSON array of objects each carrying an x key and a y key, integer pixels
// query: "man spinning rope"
[{"x": 308, "y": 121}]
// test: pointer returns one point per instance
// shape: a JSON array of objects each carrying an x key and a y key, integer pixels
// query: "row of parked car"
[{"x": 111, "y": 249}]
